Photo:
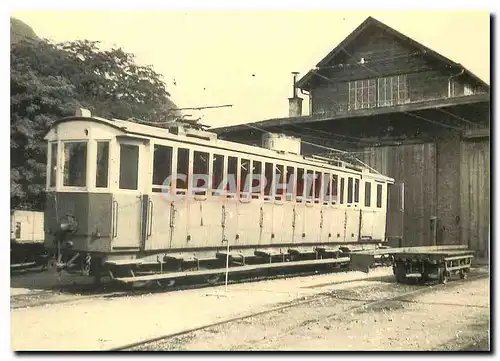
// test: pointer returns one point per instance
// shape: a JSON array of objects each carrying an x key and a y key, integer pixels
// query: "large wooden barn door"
[
  {"x": 415, "y": 166},
  {"x": 475, "y": 195}
]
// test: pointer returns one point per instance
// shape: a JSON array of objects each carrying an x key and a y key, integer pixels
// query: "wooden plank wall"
[
  {"x": 414, "y": 165},
  {"x": 475, "y": 194}
]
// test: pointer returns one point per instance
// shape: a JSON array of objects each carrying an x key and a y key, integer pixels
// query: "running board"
[{"x": 238, "y": 269}]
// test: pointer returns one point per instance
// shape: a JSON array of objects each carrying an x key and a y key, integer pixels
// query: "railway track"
[
  {"x": 76, "y": 293},
  {"x": 321, "y": 297}
]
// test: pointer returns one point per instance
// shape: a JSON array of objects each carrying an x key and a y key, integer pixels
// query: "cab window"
[{"x": 75, "y": 164}]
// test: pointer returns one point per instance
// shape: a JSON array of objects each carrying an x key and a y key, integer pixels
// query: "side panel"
[
  {"x": 248, "y": 219},
  {"x": 180, "y": 224},
  {"x": 159, "y": 223},
  {"x": 127, "y": 221},
  {"x": 367, "y": 223},
  {"x": 312, "y": 222},
  {"x": 267, "y": 223},
  {"x": 352, "y": 226}
]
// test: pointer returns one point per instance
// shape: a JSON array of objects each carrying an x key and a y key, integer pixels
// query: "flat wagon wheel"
[
  {"x": 400, "y": 272},
  {"x": 443, "y": 277},
  {"x": 463, "y": 274}
]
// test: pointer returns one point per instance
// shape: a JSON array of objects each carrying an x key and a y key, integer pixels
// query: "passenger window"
[
  {"x": 368, "y": 194},
  {"x": 162, "y": 164},
  {"x": 217, "y": 170},
  {"x": 289, "y": 183},
  {"x": 232, "y": 167},
  {"x": 268, "y": 176},
  {"x": 244, "y": 175},
  {"x": 342, "y": 190},
  {"x": 309, "y": 184},
  {"x": 349, "y": 190},
  {"x": 101, "y": 175},
  {"x": 129, "y": 166},
  {"x": 257, "y": 177},
  {"x": 300, "y": 184},
  {"x": 75, "y": 164},
  {"x": 335, "y": 179},
  {"x": 182, "y": 168},
  {"x": 379, "y": 195},
  {"x": 200, "y": 168},
  {"x": 356, "y": 191},
  {"x": 53, "y": 164},
  {"x": 279, "y": 181},
  {"x": 318, "y": 182}
]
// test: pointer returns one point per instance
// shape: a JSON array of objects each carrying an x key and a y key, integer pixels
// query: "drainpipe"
[{"x": 449, "y": 81}]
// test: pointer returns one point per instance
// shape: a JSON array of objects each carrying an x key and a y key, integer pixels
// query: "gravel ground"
[
  {"x": 459, "y": 317},
  {"x": 451, "y": 317}
]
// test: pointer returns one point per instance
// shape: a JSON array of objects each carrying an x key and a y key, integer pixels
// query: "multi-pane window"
[
  {"x": 392, "y": 90},
  {"x": 382, "y": 92},
  {"x": 75, "y": 164},
  {"x": 362, "y": 94}
]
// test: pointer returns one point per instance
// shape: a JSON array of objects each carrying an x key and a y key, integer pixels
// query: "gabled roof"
[{"x": 339, "y": 49}]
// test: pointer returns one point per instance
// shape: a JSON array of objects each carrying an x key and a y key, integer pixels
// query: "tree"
[
  {"x": 49, "y": 81},
  {"x": 37, "y": 98}
]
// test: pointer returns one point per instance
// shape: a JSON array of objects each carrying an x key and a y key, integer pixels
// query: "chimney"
[{"x": 295, "y": 103}]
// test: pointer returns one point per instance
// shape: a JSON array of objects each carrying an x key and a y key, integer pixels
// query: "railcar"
[
  {"x": 132, "y": 200},
  {"x": 26, "y": 237}
]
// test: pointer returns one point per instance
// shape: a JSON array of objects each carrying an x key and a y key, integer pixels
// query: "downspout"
[{"x": 449, "y": 81}]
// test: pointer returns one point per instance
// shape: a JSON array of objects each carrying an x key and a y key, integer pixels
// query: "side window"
[
  {"x": 356, "y": 191},
  {"x": 268, "y": 175},
  {"x": 309, "y": 184},
  {"x": 200, "y": 168},
  {"x": 244, "y": 175},
  {"x": 182, "y": 168},
  {"x": 75, "y": 164},
  {"x": 232, "y": 167},
  {"x": 129, "y": 166},
  {"x": 379, "y": 195},
  {"x": 349, "y": 190},
  {"x": 318, "y": 182},
  {"x": 300, "y": 185},
  {"x": 101, "y": 175},
  {"x": 279, "y": 181},
  {"x": 257, "y": 177},
  {"x": 162, "y": 165},
  {"x": 289, "y": 183},
  {"x": 368, "y": 194},
  {"x": 53, "y": 164},
  {"x": 342, "y": 180},
  {"x": 217, "y": 171},
  {"x": 335, "y": 182}
]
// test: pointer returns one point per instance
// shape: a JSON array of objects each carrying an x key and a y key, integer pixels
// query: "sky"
[{"x": 245, "y": 58}]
